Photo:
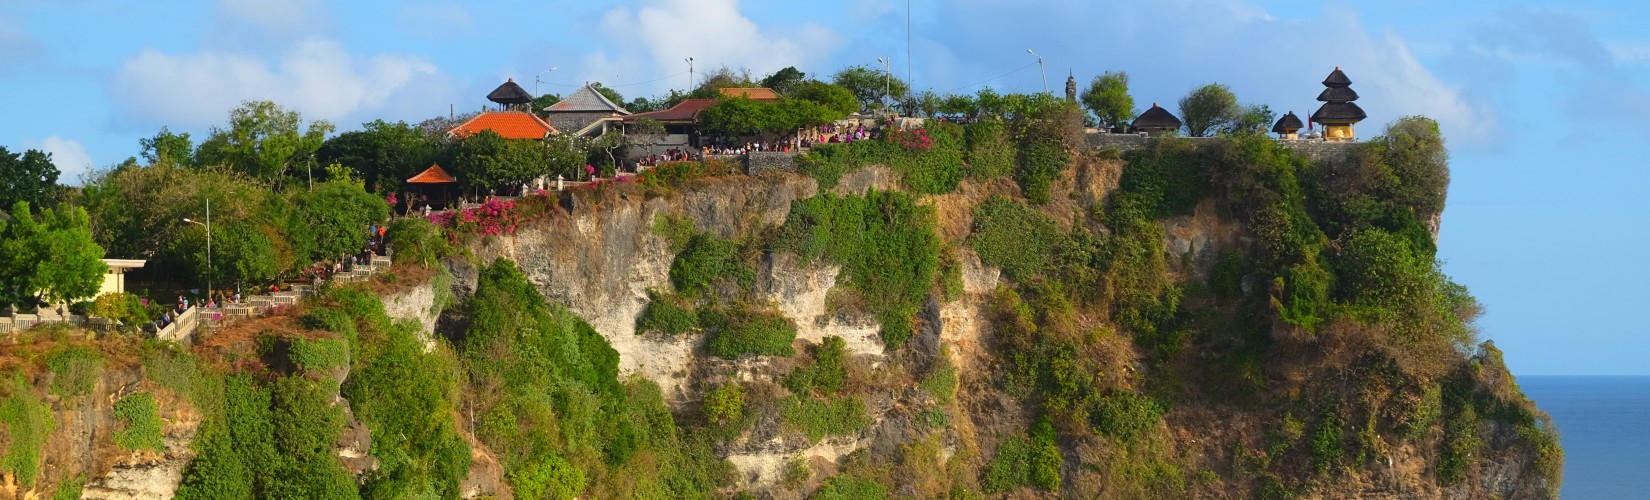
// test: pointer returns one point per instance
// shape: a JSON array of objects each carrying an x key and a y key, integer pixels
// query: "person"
[{"x": 237, "y": 297}]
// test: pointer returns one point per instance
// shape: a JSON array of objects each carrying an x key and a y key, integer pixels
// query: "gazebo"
[
  {"x": 436, "y": 187},
  {"x": 511, "y": 96},
  {"x": 1156, "y": 121},
  {"x": 1288, "y": 126}
]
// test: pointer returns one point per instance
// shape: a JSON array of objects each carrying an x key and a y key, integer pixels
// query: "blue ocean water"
[{"x": 1604, "y": 425}]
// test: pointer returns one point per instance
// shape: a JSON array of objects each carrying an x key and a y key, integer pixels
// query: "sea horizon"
[{"x": 1602, "y": 422}]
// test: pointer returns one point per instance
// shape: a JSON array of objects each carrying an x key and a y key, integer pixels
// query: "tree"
[
  {"x": 263, "y": 140},
  {"x": 486, "y": 160},
  {"x": 1253, "y": 119},
  {"x": 870, "y": 85},
  {"x": 381, "y": 153},
  {"x": 644, "y": 132},
  {"x": 785, "y": 80},
  {"x": 167, "y": 146},
  {"x": 836, "y": 99},
  {"x": 339, "y": 211},
  {"x": 1108, "y": 98},
  {"x": 1208, "y": 109},
  {"x": 712, "y": 83},
  {"x": 29, "y": 177},
  {"x": 544, "y": 101},
  {"x": 49, "y": 260}
]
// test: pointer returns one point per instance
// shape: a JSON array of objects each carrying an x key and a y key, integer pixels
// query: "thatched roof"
[
  {"x": 1338, "y": 113},
  {"x": 509, "y": 93},
  {"x": 1338, "y": 94},
  {"x": 586, "y": 100},
  {"x": 1337, "y": 79},
  {"x": 1156, "y": 118},
  {"x": 1288, "y": 124}
]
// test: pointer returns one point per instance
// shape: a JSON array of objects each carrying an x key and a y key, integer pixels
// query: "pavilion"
[
  {"x": 436, "y": 187},
  {"x": 1288, "y": 126},
  {"x": 1156, "y": 121}
]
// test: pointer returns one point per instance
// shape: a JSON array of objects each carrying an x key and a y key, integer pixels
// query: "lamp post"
[
  {"x": 208, "y": 226},
  {"x": 690, "y": 74},
  {"x": 887, "y": 75},
  {"x": 1040, "y": 69},
  {"x": 536, "y": 81}
]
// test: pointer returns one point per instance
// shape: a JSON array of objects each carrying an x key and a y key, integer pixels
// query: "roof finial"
[{"x": 1337, "y": 68}]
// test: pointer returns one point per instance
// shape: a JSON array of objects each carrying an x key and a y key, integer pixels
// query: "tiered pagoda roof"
[{"x": 1338, "y": 108}]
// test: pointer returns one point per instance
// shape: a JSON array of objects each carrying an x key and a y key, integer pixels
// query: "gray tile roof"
[{"x": 586, "y": 100}]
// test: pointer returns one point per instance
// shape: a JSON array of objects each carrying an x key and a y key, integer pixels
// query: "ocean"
[{"x": 1604, "y": 425}]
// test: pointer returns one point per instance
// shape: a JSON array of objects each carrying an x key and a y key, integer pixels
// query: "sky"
[{"x": 1543, "y": 105}]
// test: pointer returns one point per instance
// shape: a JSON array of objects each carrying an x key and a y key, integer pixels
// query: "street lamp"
[
  {"x": 887, "y": 75},
  {"x": 536, "y": 81},
  {"x": 690, "y": 74},
  {"x": 208, "y": 226},
  {"x": 1041, "y": 69}
]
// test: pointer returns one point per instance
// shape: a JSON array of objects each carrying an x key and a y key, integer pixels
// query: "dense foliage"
[
  {"x": 50, "y": 260},
  {"x": 885, "y": 243}
]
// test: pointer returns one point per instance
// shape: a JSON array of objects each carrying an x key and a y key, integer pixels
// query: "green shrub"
[
  {"x": 416, "y": 241},
  {"x": 123, "y": 307},
  {"x": 1169, "y": 176},
  {"x": 1226, "y": 278},
  {"x": 551, "y": 478},
  {"x": 706, "y": 261},
  {"x": 29, "y": 422},
  {"x": 1328, "y": 449},
  {"x": 1015, "y": 237},
  {"x": 1009, "y": 467},
  {"x": 75, "y": 370},
  {"x": 70, "y": 489},
  {"x": 885, "y": 243},
  {"x": 676, "y": 229},
  {"x": 1459, "y": 446},
  {"x": 850, "y": 488},
  {"x": 1042, "y": 160},
  {"x": 1125, "y": 415},
  {"x": 941, "y": 382},
  {"x": 990, "y": 149},
  {"x": 934, "y": 169},
  {"x": 667, "y": 312},
  {"x": 142, "y": 417},
  {"x": 742, "y": 330},
  {"x": 818, "y": 418},
  {"x": 825, "y": 375},
  {"x": 320, "y": 354},
  {"x": 1045, "y": 457},
  {"x": 725, "y": 404}
]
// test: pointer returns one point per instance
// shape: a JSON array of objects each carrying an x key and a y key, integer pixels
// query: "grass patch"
[
  {"x": 818, "y": 418},
  {"x": 75, "y": 370},
  {"x": 142, "y": 417},
  {"x": 29, "y": 423},
  {"x": 1015, "y": 237},
  {"x": 742, "y": 330}
]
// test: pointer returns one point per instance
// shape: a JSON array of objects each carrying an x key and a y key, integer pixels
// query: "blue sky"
[{"x": 1543, "y": 104}]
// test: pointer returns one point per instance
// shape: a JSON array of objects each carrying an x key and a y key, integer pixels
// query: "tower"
[
  {"x": 1071, "y": 87},
  {"x": 1338, "y": 113}
]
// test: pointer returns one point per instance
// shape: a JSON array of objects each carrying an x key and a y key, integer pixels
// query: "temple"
[
  {"x": 1338, "y": 113},
  {"x": 1156, "y": 121},
  {"x": 1288, "y": 127}
]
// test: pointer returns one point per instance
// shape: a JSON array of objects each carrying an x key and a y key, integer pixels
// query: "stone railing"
[{"x": 196, "y": 319}]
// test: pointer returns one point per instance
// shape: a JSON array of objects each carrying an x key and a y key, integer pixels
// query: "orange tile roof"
[
  {"x": 509, "y": 124},
  {"x": 752, "y": 93},
  {"x": 433, "y": 175}
]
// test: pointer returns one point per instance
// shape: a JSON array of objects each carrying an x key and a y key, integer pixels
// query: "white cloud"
[
  {"x": 315, "y": 76},
  {"x": 15, "y": 44},
  {"x": 653, "y": 40},
  {"x": 69, "y": 156}
]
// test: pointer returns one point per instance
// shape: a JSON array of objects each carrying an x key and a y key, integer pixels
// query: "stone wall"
[
  {"x": 1336, "y": 154},
  {"x": 759, "y": 162}
]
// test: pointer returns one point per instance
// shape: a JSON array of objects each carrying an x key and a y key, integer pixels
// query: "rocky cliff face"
[{"x": 601, "y": 258}]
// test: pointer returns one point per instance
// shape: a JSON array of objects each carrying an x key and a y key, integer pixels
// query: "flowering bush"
[
  {"x": 911, "y": 140},
  {"x": 493, "y": 218}
]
